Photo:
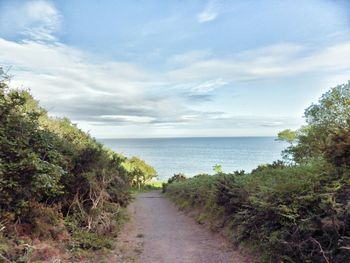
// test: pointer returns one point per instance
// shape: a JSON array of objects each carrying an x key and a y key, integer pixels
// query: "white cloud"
[
  {"x": 208, "y": 86},
  {"x": 209, "y": 13},
  {"x": 35, "y": 19},
  {"x": 267, "y": 63},
  {"x": 68, "y": 82},
  {"x": 128, "y": 118}
]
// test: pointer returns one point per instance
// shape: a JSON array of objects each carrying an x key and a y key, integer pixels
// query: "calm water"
[{"x": 198, "y": 155}]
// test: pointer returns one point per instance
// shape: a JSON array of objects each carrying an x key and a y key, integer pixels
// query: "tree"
[
  {"x": 325, "y": 121},
  {"x": 287, "y": 135},
  {"x": 217, "y": 169},
  {"x": 140, "y": 171}
]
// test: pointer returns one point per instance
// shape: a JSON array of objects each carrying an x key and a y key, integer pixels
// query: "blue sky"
[{"x": 177, "y": 68}]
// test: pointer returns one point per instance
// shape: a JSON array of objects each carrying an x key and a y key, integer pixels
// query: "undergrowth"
[
  {"x": 296, "y": 210},
  {"x": 61, "y": 191},
  {"x": 290, "y": 218}
]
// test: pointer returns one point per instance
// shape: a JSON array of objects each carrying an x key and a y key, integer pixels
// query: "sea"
[{"x": 193, "y": 156}]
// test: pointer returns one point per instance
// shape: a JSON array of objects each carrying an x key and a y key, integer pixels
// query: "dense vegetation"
[
  {"x": 296, "y": 210},
  {"x": 57, "y": 183},
  {"x": 140, "y": 172}
]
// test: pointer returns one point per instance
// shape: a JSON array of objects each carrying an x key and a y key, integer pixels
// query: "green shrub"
[
  {"x": 52, "y": 172},
  {"x": 291, "y": 212},
  {"x": 87, "y": 240},
  {"x": 175, "y": 178},
  {"x": 294, "y": 211}
]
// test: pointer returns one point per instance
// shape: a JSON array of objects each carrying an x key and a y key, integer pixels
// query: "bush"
[
  {"x": 86, "y": 240},
  {"x": 291, "y": 212},
  {"x": 175, "y": 178},
  {"x": 296, "y": 211},
  {"x": 51, "y": 172}
]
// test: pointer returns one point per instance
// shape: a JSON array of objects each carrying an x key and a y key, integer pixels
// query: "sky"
[{"x": 161, "y": 68}]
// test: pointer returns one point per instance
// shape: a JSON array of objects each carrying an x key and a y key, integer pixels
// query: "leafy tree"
[
  {"x": 217, "y": 168},
  {"x": 287, "y": 135},
  {"x": 140, "y": 171},
  {"x": 324, "y": 120}
]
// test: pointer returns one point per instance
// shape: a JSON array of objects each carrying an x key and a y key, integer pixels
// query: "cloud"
[
  {"x": 209, "y": 13},
  {"x": 208, "y": 86},
  {"x": 202, "y": 91},
  {"x": 70, "y": 83},
  {"x": 108, "y": 94},
  {"x": 199, "y": 97},
  {"x": 128, "y": 118},
  {"x": 36, "y": 20},
  {"x": 271, "y": 62},
  {"x": 189, "y": 57}
]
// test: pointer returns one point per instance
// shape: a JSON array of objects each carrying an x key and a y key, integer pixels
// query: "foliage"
[
  {"x": 287, "y": 135},
  {"x": 325, "y": 120},
  {"x": 290, "y": 211},
  {"x": 56, "y": 181},
  {"x": 83, "y": 239},
  {"x": 150, "y": 186},
  {"x": 140, "y": 171},
  {"x": 217, "y": 168},
  {"x": 175, "y": 178},
  {"x": 275, "y": 164},
  {"x": 294, "y": 211}
]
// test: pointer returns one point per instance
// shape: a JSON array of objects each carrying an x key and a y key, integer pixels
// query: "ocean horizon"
[{"x": 196, "y": 155}]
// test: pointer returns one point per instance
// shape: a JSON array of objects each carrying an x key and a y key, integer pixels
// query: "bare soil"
[{"x": 159, "y": 233}]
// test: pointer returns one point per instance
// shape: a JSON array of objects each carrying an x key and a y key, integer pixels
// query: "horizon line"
[{"x": 186, "y": 137}]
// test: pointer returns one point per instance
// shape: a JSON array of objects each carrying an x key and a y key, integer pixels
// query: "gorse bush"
[
  {"x": 175, "y": 178},
  {"x": 51, "y": 172},
  {"x": 293, "y": 211}
]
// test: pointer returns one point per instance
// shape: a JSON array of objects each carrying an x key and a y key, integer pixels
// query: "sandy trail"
[{"x": 166, "y": 235}]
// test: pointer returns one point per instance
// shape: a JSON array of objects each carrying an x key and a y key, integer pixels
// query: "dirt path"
[{"x": 160, "y": 233}]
